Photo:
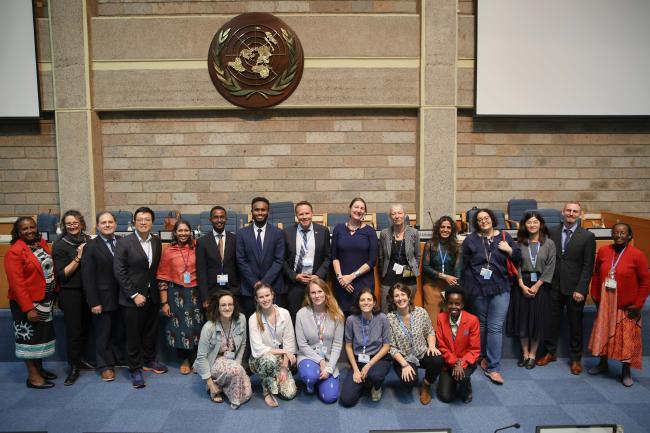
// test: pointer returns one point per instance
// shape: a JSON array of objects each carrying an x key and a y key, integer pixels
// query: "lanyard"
[
  {"x": 400, "y": 245},
  {"x": 533, "y": 258},
  {"x": 406, "y": 329},
  {"x": 185, "y": 259},
  {"x": 613, "y": 268},
  {"x": 320, "y": 324},
  {"x": 272, "y": 329},
  {"x": 229, "y": 331},
  {"x": 488, "y": 257},
  {"x": 443, "y": 259},
  {"x": 364, "y": 337}
]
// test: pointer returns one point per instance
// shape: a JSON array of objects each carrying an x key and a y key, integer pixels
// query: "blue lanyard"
[
  {"x": 443, "y": 259},
  {"x": 613, "y": 268},
  {"x": 533, "y": 259},
  {"x": 272, "y": 329},
  {"x": 408, "y": 332},
  {"x": 364, "y": 337}
]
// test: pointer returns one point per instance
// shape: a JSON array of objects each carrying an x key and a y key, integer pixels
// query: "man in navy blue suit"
[{"x": 260, "y": 255}]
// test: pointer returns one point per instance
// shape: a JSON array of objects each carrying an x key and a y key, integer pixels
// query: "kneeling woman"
[
  {"x": 221, "y": 349},
  {"x": 319, "y": 334},
  {"x": 367, "y": 342},
  {"x": 273, "y": 346},
  {"x": 413, "y": 341}
]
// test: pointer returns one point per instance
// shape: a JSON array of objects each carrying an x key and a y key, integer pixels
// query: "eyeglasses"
[
  {"x": 143, "y": 220},
  {"x": 484, "y": 219},
  {"x": 72, "y": 224}
]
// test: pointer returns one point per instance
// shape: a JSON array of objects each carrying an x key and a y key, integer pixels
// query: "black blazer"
[
  {"x": 99, "y": 282},
  {"x": 322, "y": 256},
  {"x": 209, "y": 265},
  {"x": 132, "y": 269},
  {"x": 573, "y": 269}
]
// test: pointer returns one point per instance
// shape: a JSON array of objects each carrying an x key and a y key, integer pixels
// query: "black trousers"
[
  {"x": 294, "y": 298},
  {"x": 351, "y": 391},
  {"x": 109, "y": 339},
  {"x": 575, "y": 314},
  {"x": 141, "y": 325},
  {"x": 432, "y": 366},
  {"x": 77, "y": 319},
  {"x": 448, "y": 386}
]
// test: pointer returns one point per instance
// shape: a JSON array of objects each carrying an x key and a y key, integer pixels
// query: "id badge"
[
  {"x": 186, "y": 277},
  {"x": 610, "y": 283},
  {"x": 229, "y": 355},
  {"x": 486, "y": 273},
  {"x": 533, "y": 277},
  {"x": 222, "y": 279},
  {"x": 363, "y": 358},
  {"x": 321, "y": 350},
  {"x": 307, "y": 263},
  {"x": 398, "y": 268}
]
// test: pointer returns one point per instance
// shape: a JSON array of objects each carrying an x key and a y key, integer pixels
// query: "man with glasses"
[{"x": 136, "y": 265}]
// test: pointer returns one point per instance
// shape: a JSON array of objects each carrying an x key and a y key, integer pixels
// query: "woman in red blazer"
[
  {"x": 30, "y": 273},
  {"x": 620, "y": 286},
  {"x": 458, "y": 337}
]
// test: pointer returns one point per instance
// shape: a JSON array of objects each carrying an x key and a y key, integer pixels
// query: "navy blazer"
[
  {"x": 322, "y": 253},
  {"x": 265, "y": 266},
  {"x": 99, "y": 282},
  {"x": 132, "y": 271}
]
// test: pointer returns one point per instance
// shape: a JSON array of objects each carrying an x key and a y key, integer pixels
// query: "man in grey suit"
[
  {"x": 575, "y": 256},
  {"x": 307, "y": 255}
]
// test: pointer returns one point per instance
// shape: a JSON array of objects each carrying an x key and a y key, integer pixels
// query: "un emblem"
[{"x": 255, "y": 60}]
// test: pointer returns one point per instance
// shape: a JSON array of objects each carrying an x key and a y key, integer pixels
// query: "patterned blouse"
[{"x": 411, "y": 341}]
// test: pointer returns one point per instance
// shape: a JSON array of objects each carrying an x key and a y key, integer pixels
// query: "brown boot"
[{"x": 425, "y": 394}]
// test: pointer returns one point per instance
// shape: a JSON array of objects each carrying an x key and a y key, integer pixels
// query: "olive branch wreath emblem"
[{"x": 232, "y": 85}]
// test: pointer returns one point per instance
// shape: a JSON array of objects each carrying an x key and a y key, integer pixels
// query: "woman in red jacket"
[
  {"x": 620, "y": 286},
  {"x": 30, "y": 273}
]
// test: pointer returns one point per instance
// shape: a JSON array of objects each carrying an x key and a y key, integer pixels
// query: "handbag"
[{"x": 512, "y": 269}]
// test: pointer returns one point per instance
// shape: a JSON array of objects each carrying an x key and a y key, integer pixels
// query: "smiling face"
[
  {"x": 226, "y": 306},
  {"x": 400, "y": 299},
  {"x": 571, "y": 212},
  {"x": 27, "y": 231},
  {"x": 106, "y": 225},
  {"x": 533, "y": 225},
  {"x": 260, "y": 212},
  {"x": 143, "y": 223},
  {"x": 183, "y": 233},
  {"x": 316, "y": 295},
  {"x": 72, "y": 225},
  {"x": 366, "y": 303},
  {"x": 304, "y": 214},
  {"x": 620, "y": 234},
  {"x": 218, "y": 218},
  {"x": 357, "y": 210},
  {"x": 445, "y": 230},
  {"x": 455, "y": 305},
  {"x": 484, "y": 221},
  {"x": 264, "y": 297},
  {"x": 397, "y": 216}
]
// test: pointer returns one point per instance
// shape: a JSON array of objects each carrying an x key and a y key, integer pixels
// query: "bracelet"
[
  {"x": 356, "y": 274},
  {"x": 77, "y": 259}
]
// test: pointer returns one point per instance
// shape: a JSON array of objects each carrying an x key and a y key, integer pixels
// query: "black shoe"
[
  {"x": 45, "y": 385},
  {"x": 47, "y": 375},
  {"x": 521, "y": 362},
  {"x": 72, "y": 377},
  {"x": 530, "y": 363},
  {"x": 467, "y": 398},
  {"x": 86, "y": 365}
]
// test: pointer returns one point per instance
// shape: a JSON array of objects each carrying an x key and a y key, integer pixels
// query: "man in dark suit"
[
  {"x": 260, "y": 255},
  {"x": 575, "y": 255},
  {"x": 102, "y": 291},
  {"x": 216, "y": 262},
  {"x": 136, "y": 264},
  {"x": 307, "y": 255}
]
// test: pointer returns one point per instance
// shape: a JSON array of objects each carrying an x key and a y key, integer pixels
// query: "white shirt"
[
  {"x": 256, "y": 231},
  {"x": 311, "y": 250},
  {"x": 223, "y": 239},
  {"x": 454, "y": 326},
  {"x": 146, "y": 246},
  {"x": 262, "y": 342}
]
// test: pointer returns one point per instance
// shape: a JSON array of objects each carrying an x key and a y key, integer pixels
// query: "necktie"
[
  {"x": 259, "y": 239},
  {"x": 220, "y": 245},
  {"x": 111, "y": 245},
  {"x": 303, "y": 251},
  {"x": 567, "y": 237}
]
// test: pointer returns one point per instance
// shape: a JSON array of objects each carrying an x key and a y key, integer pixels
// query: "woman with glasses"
[{"x": 67, "y": 253}]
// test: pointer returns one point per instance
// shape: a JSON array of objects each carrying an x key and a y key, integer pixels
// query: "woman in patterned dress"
[
  {"x": 221, "y": 349},
  {"x": 412, "y": 341},
  {"x": 30, "y": 274},
  {"x": 273, "y": 346},
  {"x": 179, "y": 297}
]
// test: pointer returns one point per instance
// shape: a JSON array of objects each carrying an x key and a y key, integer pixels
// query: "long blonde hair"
[
  {"x": 258, "y": 310},
  {"x": 331, "y": 306}
]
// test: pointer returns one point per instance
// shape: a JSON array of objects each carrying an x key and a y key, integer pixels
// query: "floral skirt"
[
  {"x": 183, "y": 328},
  {"x": 268, "y": 368},
  {"x": 233, "y": 380}
]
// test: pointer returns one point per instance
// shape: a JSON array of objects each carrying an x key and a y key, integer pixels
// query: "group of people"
[{"x": 257, "y": 301}]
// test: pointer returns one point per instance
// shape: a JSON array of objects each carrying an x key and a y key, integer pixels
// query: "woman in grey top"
[
  {"x": 399, "y": 254},
  {"x": 529, "y": 312},
  {"x": 319, "y": 334}
]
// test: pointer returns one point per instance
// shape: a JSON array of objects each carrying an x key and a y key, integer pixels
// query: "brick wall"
[
  {"x": 28, "y": 171},
  {"x": 603, "y": 163},
  {"x": 191, "y": 161},
  {"x": 178, "y": 7}
]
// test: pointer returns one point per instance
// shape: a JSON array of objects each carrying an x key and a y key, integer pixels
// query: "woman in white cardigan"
[
  {"x": 221, "y": 349},
  {"x": 273, "y": 346},
  {"x": 319, "y": 333}
]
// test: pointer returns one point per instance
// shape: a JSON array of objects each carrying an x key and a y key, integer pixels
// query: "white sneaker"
[{"x": 375, "y": 394}]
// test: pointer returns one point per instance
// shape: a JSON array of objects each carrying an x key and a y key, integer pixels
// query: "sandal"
[
  {"x": 216, "y": 398},
  {"x": 185, "y": 367},
  {"x": 270, "y": 400}
]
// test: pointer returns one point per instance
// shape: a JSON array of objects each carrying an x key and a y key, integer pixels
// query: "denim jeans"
[{"x": 492, "y": 311}]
